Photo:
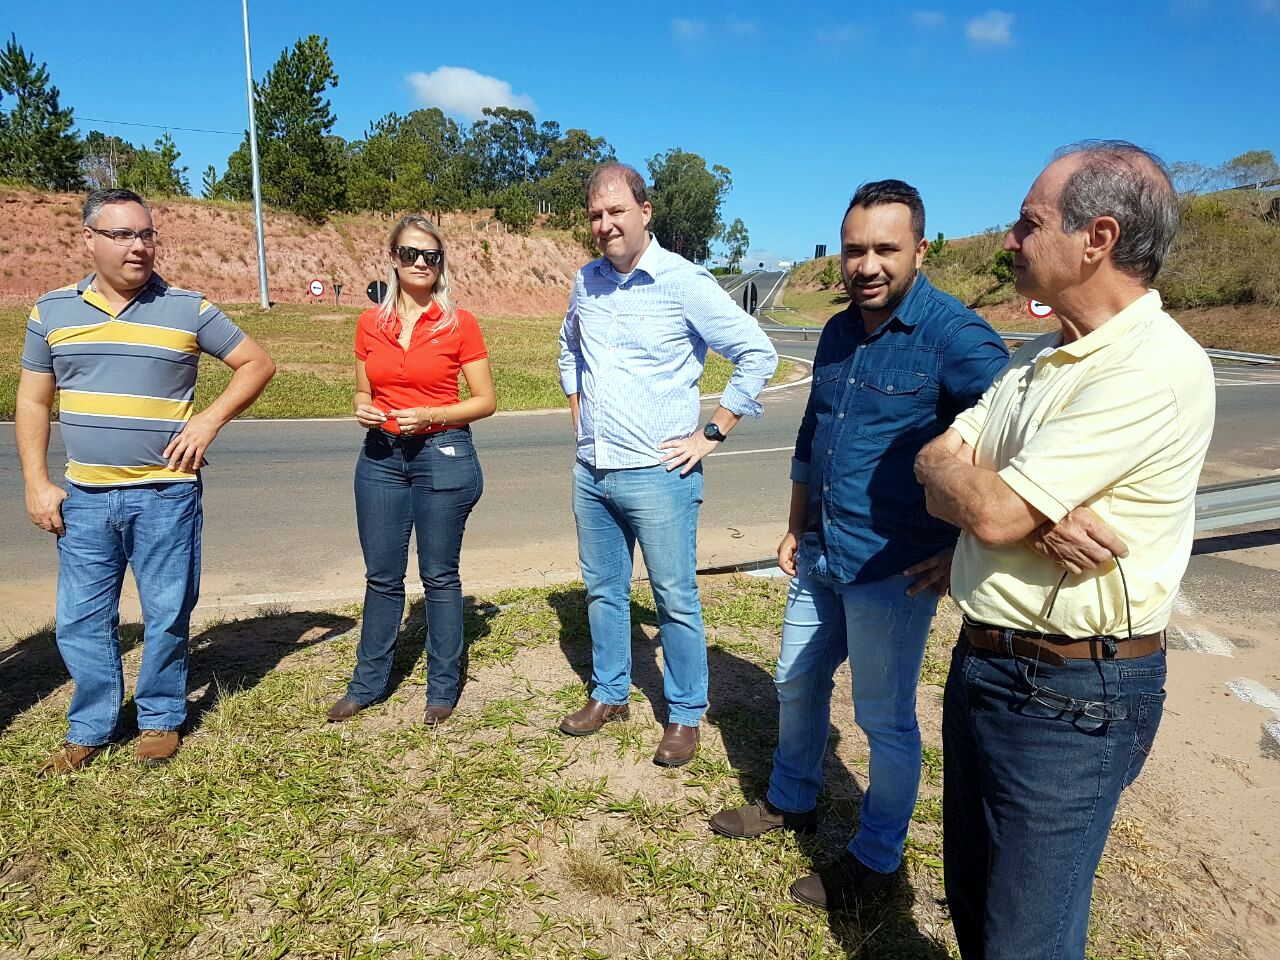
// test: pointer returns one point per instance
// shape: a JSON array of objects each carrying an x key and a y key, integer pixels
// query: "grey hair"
[
  {"x": 1119, "y": 179},
  {"x": 97, "y": 199},
  {"x": 628, "y": 175},
  {"x": 439, "y": 293}
]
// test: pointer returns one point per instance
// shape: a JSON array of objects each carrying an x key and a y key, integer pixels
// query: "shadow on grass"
[
  {"x": 234, "y": 655},
  {"x": 238, "y": 654},
  {"x": 744, "y": 707},
  {"x": 32, "y": 669},
  {"x": 411, "y": 643}
]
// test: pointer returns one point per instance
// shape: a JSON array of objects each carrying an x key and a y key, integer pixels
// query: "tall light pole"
[{"x": 253, "y": 161}]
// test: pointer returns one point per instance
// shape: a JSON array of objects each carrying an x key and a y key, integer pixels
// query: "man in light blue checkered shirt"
[{"x": 632, "y": 349}]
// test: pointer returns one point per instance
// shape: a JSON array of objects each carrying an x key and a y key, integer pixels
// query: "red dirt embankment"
[{"x": 211, "y": 247}]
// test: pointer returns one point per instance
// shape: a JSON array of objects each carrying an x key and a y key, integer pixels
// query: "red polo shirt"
[{"x": 425, "y": 375}]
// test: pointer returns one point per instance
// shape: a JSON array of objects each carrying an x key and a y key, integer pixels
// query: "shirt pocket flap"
[{"x": 895, "y": 383}]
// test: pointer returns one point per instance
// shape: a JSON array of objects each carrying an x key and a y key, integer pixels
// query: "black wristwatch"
[{"x": 712, "y": 432}]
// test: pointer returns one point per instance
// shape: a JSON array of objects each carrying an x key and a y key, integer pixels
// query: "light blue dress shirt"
[{"x": 633, "y": 347}]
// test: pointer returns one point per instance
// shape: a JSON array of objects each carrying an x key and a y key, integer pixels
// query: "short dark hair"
[
  {"x": 1116, "y": 178},
  {"x": 97, "y": 199},
  {"x": 608, "y": 171},
  {"x": 879, "y": 192}
]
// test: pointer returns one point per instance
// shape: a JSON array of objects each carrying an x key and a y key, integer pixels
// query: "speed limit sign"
[
  {"x": 1040, "y": 311},
  {"x": 316, "y": 288}
]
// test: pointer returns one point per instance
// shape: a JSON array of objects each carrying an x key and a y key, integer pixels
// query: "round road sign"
[
  {"x": 377, "y": 290},
  {"x": 316, "y": 287},
  {"x": 1040, "y": 311}
]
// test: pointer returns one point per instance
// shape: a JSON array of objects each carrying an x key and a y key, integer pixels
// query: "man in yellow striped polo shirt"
[
  {"x": 121, "y": 350},
  {"x": 1073, "y": 482}
]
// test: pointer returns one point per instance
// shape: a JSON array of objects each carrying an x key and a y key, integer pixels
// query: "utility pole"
[{"x": 253, "y": 160}]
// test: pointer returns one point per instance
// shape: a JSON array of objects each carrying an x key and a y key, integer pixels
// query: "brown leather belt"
[{"x": 1056, "y": 649}]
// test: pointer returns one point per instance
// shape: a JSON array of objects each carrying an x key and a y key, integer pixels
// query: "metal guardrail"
[
  {"x": 1233, "y": 355},
  {"x": 1234, "y": 504}
]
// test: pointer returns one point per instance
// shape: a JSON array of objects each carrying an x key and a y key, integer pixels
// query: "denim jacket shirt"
[{"x": 875, "y": 401}]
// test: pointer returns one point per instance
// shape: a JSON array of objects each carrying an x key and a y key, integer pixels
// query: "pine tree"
[{"x": 37, "y": 144}]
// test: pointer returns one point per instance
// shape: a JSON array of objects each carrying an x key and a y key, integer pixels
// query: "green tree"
[
  {"x": 37, "y": 144},
  {"x": 515, "y": 208},
  {"x": 829, "y": 276},
  {"x": 210, "y": 185},
  {"x": 563, "y": 173},
  {"x": 686, "y": 200},
  {"x": 155, "y": 172},
  {"x": 407, "y": 163},
  {"x": 507, "y": 147},
  {"x": 936, "y": 252},
  {"x": 737, "y": 240},
  {"x": 105, "y": 159},
  {"x": 301, "y": 162},
  {"x": 1255, "y": 166}
]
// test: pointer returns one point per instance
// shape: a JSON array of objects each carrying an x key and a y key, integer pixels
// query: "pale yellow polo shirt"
[{"x": 1119, "y": 420}]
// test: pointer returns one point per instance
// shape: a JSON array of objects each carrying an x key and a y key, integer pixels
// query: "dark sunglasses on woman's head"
[{"x": 409, "y": 256}]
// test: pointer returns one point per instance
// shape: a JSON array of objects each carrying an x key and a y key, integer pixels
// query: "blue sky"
[{"x": 801, "y": 101}]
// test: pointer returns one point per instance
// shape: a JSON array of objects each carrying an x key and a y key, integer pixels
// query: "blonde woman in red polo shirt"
[{"x": 417, "y": 469}]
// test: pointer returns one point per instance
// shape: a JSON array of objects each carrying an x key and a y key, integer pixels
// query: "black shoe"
[{"x": 844, "y": 885}]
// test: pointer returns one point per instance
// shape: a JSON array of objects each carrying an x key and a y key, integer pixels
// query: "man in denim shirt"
[
  {"x": 639, "y": 323},
  {"x": 890, "y": 374}
]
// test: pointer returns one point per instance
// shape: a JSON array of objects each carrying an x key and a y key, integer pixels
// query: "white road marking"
[
  {"x": 1199, "y": 640},
  {"x": 766, "y": 297},
  {"x": 1203, "y": 641},
  {"x": 1272, "y": 729},
  {"x": 1251, "y": 691}
]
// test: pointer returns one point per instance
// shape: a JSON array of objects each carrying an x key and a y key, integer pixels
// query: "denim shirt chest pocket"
[{"x": 891, "y": 404}]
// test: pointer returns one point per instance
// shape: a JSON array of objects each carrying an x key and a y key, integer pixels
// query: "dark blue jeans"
[
  {"x": 427, "y": 485},
  {"x": 1034, "y": 760}
]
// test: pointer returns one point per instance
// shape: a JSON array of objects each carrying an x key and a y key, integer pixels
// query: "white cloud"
[
  {"x": 688, "y": 31},
  {"x": 842, "y": 35},
  {"x": 743, "y": 28},
  {"x": 991, "y": 29},
  {"x": 928, "y": 19},
  {"x": 462, "y": 91}
]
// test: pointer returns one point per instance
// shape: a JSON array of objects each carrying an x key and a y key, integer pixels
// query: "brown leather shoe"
[
  {"x": 156, "y": 747},
  {"x": 592, "y": 717},
  {"x": 679, "y": 744},
  {"x": 846, "y": 884},
  {"x": 436, "y": 713},
  {"x": 344, "y": 709},
  {"x": 757, "y": 819},
  {"x": 69, "y": 758}
]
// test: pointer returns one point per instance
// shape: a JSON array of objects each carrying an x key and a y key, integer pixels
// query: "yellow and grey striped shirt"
[{"x": 126, "y": 381}]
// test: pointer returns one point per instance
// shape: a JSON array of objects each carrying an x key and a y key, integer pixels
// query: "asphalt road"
[{"x": 279, "y": 513}]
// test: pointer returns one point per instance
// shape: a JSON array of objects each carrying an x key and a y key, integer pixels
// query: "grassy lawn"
[
  {"x": 275, "y": 834},
  {"x": 312, "y": 346},
  {"x": 809, "y": 308}
]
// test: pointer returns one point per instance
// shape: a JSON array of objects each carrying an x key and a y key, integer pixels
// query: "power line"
[{"x": 156, "y": 126}]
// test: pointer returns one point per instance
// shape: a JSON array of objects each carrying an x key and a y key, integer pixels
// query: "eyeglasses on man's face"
[
  {"x": 408, "y": 256},
  {"x": 123, "y": 237}
]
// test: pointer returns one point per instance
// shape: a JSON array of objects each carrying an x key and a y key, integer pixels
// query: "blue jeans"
[
  {"x": 155, "y": 529},
  {"x": 659, "y": 508},
  {"x": 882, "y": 632},
  {"x": 428, "y": 484},
  {"x": 1034, "y": 759}
]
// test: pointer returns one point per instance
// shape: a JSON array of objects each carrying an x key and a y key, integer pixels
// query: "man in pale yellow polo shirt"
[{"x": 1073, "y": 482}]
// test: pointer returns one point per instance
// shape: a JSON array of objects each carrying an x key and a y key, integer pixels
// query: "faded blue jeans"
[
  {"x": 882, "y": 632},
  {"x": 613, "y": 509},
  {"x": 155, "y": 529},
  {"x": 404, "y": 485},
  {"x": 1034, "y": 759}
]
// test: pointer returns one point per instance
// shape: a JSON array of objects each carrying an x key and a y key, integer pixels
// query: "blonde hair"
[{"x": 439, "y": 293}]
